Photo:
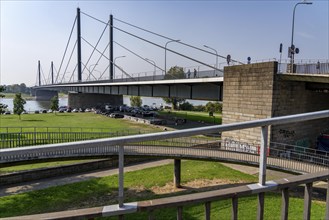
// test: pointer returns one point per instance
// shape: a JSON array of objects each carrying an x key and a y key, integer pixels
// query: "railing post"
[
  {"x": 260, "y": 210},
  {"x": 177, "y": 173},
  {"x": 234, "y": 208},
  {"x": 327, "y": 202},
  {"x": 284, "y": 204},
  {"x": 207, "y": 207},
  {"x": 263, "y": 155},
  {"x": 262, "y": 170},
  {"x": 179, "y": 213},
  {"x": 308, "y": 200},
  {"x": 121, "y": 174}
]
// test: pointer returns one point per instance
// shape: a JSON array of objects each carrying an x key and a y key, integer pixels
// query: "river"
[{"x": 32, "y": 105}]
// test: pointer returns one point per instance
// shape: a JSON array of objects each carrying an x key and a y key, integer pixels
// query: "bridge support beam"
[{"x": 177, "y": 173}]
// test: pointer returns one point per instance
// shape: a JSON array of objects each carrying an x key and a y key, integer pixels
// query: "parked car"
[
  {"x": 36, "y": 112},
  {"x": 116, "y": 115},
  {"x": 7, "y": 113}
]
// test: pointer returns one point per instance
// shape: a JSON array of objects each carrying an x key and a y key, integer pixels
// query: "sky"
[{"x": 39, "y": 30}]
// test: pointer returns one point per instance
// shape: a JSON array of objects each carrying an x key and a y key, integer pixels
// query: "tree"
[
  {"x": 19, "y": 103},
  {"x": 135, "y": 101},
  {"x": 2, "y": 106},
  {"x": 54, "y": 103},
  {"x": 175, "y": 72},
  {"x": 214, "y": 107}
]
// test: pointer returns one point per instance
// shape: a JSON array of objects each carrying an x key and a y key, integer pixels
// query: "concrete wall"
[
  {"x": 292, "y": 97},
  {"x": 88, "y": 100},
  {"x": 247, "y": 95},
  {"x": 256, "y": 91}
]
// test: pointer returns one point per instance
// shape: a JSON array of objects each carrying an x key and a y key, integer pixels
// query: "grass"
[
  {"x": 194, "y": 116},
  {"x": 12, "y": 95},
  {"x": 38, "y": 165},
  {"x": 103, "y": 191},
  {"x": 69, "y": 121}
]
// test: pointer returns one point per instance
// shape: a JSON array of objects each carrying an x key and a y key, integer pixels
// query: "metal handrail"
[{"x": 169, "y": 134}]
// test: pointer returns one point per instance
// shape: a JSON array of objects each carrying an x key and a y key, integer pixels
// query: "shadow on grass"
[{"x": 34, "y": 120}]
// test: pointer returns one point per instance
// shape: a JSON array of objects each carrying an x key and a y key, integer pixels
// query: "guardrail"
[
  {"x": 260, "y": 189},
  {"x": 19, "y": 139}
]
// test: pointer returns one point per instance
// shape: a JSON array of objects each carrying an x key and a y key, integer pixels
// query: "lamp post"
[
  {"x": 292, "y": 47},
  {"x": 90, "y": 68},
  {"x": 153, "y": 65},
  {"x": 166, "y": 53},
  {"x": 216, "y": 55},
  {"x": 114, "y": 64}
]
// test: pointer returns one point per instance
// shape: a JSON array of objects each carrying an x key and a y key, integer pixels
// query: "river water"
[{"x": 32, "y": 105}]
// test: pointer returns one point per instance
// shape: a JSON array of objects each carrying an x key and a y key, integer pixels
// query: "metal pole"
[
  {"x": 154, "y": 66},
  {"x": 263, "y": 155},
  {"x": 52, "y": 72},
  {"x": 216, "y": 54},
  {"x": 121, "y": 176},
  {"x": 39, "y": 72},
  {"x": 111, "y": 48},
  {"x": 79, "y": 45},
  {"x": 166, "y": 53},
  {"x": 114, "y": 63},
  {"x": 292, "y": 34}
]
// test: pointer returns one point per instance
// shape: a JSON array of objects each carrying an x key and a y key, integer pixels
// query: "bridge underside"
[{"x": 210, "y": 92}]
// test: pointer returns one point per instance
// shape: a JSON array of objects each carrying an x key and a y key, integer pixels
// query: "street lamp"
[
  {"x": 216, "y": 54},
  {"x": 166, "y": 53},
  {"x": 292, "y": 47},
  {"x": 153, "y": 65},
  {"x": 114, "y": 63},
  {"x": 90, "y": 68}
]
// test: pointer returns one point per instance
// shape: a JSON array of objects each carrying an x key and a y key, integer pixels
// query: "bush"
[
  {"x": 213, "y": 107},
  {"x": 186, "y": 106},
  {"x": 199, "y": 108}
]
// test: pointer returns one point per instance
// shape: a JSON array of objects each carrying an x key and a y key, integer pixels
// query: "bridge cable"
[
  {"x": 69, "y": 60},
  {"x": 168, "y": 38},
  {"x": 94, "y": 49},
  {"x": 137, "y": 55},
  {"x": 180, "y": 54},
  {"x": 72, "y": 75},
  {"x": 209, "y": 52},
  {"x": 100, "y": 57},
  {"x": 68, "y": 42},
  {"x": 44, "y": 78},
  {"x": 127, "y": 74}
]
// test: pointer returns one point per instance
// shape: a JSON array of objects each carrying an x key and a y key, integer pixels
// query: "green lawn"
[
  {"x": 70, "y": 121},
  {"x": 103, "y": 191},
  {"x": 38, "y": 165},
  {"x": 194, "y": 116}
]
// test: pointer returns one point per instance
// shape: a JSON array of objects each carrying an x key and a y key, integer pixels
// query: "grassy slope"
[
  {"x": 78, "y": 120},
  {"x": 194, "y": 116},
  {"x": 101, "y": 191}
]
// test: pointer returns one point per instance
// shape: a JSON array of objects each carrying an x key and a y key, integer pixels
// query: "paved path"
[{"x": 57, "y": 181}]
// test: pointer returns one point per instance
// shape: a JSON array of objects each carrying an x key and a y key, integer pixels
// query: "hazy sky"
[{"x": 39, "y": 30}]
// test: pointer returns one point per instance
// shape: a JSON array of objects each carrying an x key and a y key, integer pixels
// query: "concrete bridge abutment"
[
  {"x": 89, "y": 100},
  {"x": 257, "y": 91}
]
